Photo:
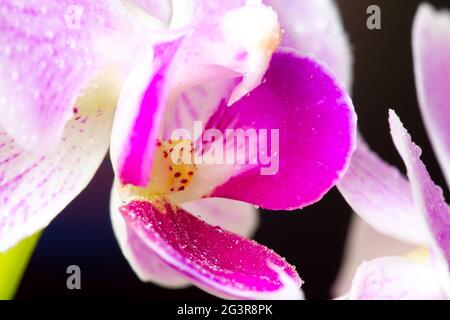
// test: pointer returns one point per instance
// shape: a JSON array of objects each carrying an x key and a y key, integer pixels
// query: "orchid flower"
[
  {"x": 77, "y": 89},
  {"x": 414, "y": 212}
]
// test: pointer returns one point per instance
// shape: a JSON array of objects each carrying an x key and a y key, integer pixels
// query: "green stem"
[{"x": 13, "y": 264}]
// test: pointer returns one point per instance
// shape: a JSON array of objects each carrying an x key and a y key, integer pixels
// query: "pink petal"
[
  {"x": 315, "y": 27},
  {"x": 317, "y": 128},
  {"x": 217, "y": 261},
  {"x": 144, "y": 262},
  {"x": 364, "y": 243},
  {"x": 235, "y": 216},
  {"x": 395, "y": 278},
  {"x": 50, "y": 50},
  {"x": 380, "y": 195},
  {"x": 34, "y": 188},
  {"x": 431, "y": 48},
  {"x": 428, "y": 198},
  {"x": 138, "y": 116},
  {"x": 210, "y": 51}
]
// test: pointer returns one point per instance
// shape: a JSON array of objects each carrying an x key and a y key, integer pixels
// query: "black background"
[{"x": 312, "y": 239}]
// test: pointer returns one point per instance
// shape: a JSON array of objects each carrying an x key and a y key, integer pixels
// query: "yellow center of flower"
[
  {"x": 173, "y": 170},
  {"x": 420, "y": 254}
]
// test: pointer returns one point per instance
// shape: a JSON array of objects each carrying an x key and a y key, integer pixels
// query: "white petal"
[
  {"x": 364, "y": 243},
  {"x": 395, "y": 278},
  {"x": 35, "y": 188},
  {"x": 315, "y": 27}
]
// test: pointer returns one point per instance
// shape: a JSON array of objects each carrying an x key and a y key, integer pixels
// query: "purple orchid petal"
[
  {"x": 395, "y": 278},
  {"x": 315, "y": 27},
  {"x": 50, "y": 50},
  {"x": 431, "y": 48},
  {"x": 364, "y": 243},
  {"x": 234, "y": 216},
  {"x": 212, "y": 50},
  {"x": 34, "y": 188},
  {"x": 139, "y": 111},
  {"x": 147, "y": 265},
  {"x": 216, "y": 260},
  {"x": 428, "y": 198},
  {"x": 317, "y": 127},
  {"x": 380, "y": 195}
]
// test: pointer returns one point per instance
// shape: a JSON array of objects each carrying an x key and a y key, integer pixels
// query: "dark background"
[{"x": 312, "y": 239}]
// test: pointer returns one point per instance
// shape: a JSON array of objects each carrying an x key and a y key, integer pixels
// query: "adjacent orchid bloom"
[
  {"x": 216, "y": 63},
  {"x": 414, "y": 212}
]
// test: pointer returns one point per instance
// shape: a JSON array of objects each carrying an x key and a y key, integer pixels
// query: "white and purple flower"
[
  {"x": 80, "y": 76},
  {"x": 412, "y": 210}
]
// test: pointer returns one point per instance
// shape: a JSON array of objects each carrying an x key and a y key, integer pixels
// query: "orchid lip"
[{"x": 216, "y": 260}]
